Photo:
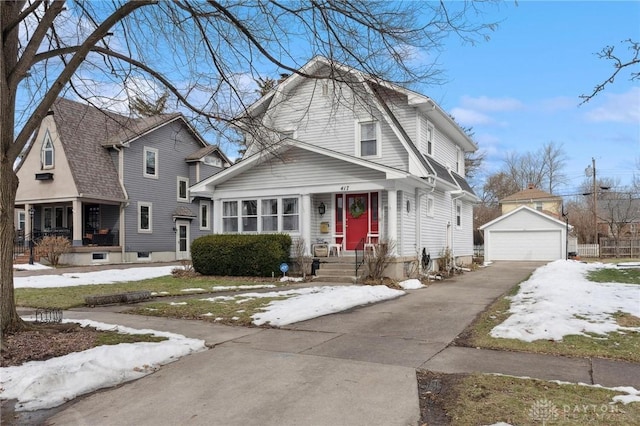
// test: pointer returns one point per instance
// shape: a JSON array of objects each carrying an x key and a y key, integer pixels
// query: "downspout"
[
  {"x": 460, "y": 194},
  {"x": 123, "y": 205}
]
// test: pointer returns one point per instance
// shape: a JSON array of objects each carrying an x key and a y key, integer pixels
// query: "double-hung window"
[
  {"x": 145, "y": 217},
  {"x": 290, "y": 214},
  {"x": 47, "y": 154},
  {"x": 230, "y": 216},
  {"x": 430, "y": 206},
  {"x": 250, "y": 216},
  {"x": 150, "y": 156},
  {"x": 430, "y": 132},
  {"x": 458, "y": 214},
  {"x": 204, "y": 215},
  {"x": 368, "y": 139},
  {"x": 183, "y": 189},
  {"x": 269, "y": 215}
]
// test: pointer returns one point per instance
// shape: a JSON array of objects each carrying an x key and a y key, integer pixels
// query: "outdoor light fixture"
[
  {"x": 32, "y": 213},
  {"x": 322, "y": 209}
]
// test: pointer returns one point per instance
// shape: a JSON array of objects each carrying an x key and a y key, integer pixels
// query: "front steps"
[{"x": 340, "y": 269}]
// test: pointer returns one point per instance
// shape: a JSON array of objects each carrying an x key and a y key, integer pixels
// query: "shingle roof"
[
  {"x": 208, "y": 150},
  {"x": 138, "y": 127},
  {"x": 182, "y": 211},
  {"x": 530, "y": 194},
  {"x": 81, "y": 128}
]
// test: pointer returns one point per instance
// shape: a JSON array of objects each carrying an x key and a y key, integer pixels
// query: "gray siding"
[{"x": 174, "y": 143}]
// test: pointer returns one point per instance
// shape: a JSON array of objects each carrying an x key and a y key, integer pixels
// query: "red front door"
[{"x": 357, "y": 223}]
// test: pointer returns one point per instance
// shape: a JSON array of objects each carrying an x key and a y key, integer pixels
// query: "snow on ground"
[
  {"x": 558, "y": 300},
  {"x": 34, "y": 267},
  {"x": 307, "y": 303},
  {"x": 45, "y": 384},
  {"x": 109, "y": 276},
  {"x": 411, "y": 284}
]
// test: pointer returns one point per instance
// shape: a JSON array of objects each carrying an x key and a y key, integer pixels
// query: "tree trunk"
[{"x": 10, "y": 321}]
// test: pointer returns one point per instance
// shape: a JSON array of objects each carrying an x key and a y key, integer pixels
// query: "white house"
[{"x": 349, "y": 165}]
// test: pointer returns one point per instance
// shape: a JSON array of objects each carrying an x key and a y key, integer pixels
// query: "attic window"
[
  {"x": 47, "y": 153},
  {"x": 212, "y": 161}
]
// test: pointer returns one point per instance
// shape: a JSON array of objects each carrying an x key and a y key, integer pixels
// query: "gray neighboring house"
[{"x": 117, "y": 187}]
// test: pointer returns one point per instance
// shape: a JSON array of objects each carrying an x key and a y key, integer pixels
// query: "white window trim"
[
  {"x": 358, "y": 142},
  {"x": 44, "y": 218},
  {"x": 150, "y": 205},
  {"x": 180, "y": 179},
  {"x": 236, "y": 217},
  {"x": 459, "y": 161},
  {"x": 144, "y": 163},
  {"x": 259, "y": 230},
  {"x": 43, "y": 150},
  {"x": 208, "y": 216},
  {"x": 105, "y": 260},
  {"x": 431, "y": 212},
  {"x": 22, "y": 220},
  {"x": 458, "y": 206},
  {"x": 431, "y": 140}
]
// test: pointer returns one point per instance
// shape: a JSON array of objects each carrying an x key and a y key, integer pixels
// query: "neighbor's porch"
[{"x": 86, "y": 223}]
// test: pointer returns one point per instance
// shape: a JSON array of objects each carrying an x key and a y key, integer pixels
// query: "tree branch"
[{"x": 71, "y": 67}]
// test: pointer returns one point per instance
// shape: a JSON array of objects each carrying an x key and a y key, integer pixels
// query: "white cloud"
[
  {"x": 469, "y": 117},
  {"x": 485, "y": 103},
  {"x": 618, "y": 108}
]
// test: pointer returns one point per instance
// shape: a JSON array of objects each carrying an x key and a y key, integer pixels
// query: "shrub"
[
  {"x": 378, "y": 261},
  {"x": 51, "y": 248},
  {"x": 301, "y": 258},
  {"x": 240, "y": 255}
]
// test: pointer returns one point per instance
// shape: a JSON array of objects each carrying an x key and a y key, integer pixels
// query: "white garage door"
[{"x": 525, "y": 245}]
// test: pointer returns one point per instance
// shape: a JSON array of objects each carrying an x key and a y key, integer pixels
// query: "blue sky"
[{"x": 521, "y": 88}]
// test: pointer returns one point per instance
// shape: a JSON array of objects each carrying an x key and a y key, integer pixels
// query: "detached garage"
[{"x": 524, "y": 234}]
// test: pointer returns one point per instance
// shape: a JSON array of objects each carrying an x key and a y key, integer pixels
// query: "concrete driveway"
[{"x": 353, "y": 368}]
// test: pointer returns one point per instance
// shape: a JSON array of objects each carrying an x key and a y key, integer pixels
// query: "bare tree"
[
  {"x": 202, "y": 53},
  {"x": 541, "y": 168},
  {"x": 620, "y": 63},
  {"x": 619, "y": 209}
]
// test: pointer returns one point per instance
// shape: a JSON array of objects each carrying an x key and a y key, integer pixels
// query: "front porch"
[{"x": 85, "y": 224}]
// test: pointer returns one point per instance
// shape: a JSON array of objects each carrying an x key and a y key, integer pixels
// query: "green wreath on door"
[{"x": 357, "y": 209}]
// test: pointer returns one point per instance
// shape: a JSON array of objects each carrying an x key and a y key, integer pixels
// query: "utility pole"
[{"x": 595, "y": 203}]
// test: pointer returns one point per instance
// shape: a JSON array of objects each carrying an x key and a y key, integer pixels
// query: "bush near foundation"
[
  {"x": 52, "y": 248},
  {"x": 240, "y": 255}
]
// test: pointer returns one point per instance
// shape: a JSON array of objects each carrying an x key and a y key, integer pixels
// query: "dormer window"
[
  {"x": 212, "y": 161},
  {"x": 368, "y": 140},
  {"x": 47, "y": 153}
]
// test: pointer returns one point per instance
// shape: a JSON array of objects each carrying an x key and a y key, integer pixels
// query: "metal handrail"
[{"x": 359, "y": 262}]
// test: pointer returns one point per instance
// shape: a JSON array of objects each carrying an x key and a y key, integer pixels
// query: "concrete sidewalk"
[{"x": 352, "y": 368}]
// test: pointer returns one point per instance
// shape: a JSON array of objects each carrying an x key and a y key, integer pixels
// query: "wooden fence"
[{"x": 626, "y": 247}]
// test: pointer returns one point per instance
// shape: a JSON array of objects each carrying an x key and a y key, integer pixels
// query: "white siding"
[
  {"x": 298, "y": 168},
  {"x": 407, "y": 224},
  {"x": 329, "y": 122}
]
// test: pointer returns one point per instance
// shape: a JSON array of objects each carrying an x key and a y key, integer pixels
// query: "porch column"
[
  {"x": 27, "y": 221},
  {"x": 77, "y": 223},
  {"x": 216, "y": 216},
  {"x": 305, "y": 225},
  {"x": 392, "y": 217}
]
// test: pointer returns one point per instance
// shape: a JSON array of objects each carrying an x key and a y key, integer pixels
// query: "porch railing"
[{"x": 359, "y": 251}]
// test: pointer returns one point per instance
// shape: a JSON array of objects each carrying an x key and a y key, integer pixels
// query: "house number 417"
[{"x": 344, "y": 188}]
